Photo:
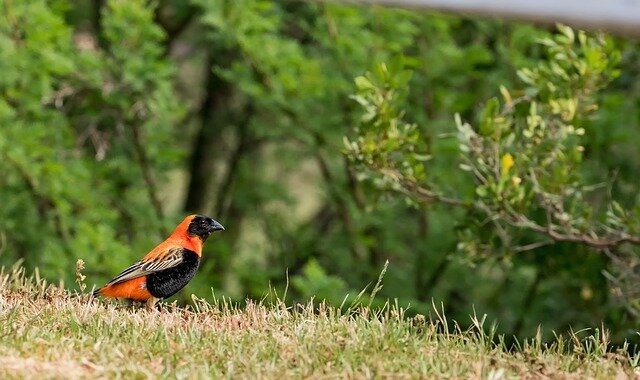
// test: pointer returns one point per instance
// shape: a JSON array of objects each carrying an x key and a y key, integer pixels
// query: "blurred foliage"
[{"x": 118, "y": 117}]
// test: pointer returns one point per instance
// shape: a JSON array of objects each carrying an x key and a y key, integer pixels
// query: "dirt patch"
[{"x": 31, "y": 367}]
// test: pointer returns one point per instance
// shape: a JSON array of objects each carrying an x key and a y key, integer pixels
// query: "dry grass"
[{"x": 45, "y": 333}]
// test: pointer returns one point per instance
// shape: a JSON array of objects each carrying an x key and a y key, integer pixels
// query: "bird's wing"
[{"x": 165, "y": 259}]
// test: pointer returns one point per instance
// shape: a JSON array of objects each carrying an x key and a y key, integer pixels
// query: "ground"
[{"x": 48, "y": 333}]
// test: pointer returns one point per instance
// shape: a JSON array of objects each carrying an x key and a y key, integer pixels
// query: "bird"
[{"x": 167, "y": 268}]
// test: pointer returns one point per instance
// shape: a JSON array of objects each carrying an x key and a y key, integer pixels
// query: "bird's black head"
[{"x": 202, "y": 226}]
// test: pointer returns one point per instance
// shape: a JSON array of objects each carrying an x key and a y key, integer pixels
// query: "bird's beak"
[{"x": 215, "y": 226}]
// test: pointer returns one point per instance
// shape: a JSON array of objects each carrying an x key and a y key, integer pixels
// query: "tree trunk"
[{"x": 217, "y": 111}]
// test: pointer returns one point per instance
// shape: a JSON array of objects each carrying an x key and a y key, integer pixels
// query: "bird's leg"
[{"x": 151, "y": 303}]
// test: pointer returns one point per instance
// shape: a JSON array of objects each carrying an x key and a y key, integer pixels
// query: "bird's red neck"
[
  {"x": 181, "y": 237},
  {"x": 192, "y": 243}
]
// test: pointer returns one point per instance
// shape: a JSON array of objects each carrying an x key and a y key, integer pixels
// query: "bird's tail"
[{"x": 96, "y": 293}]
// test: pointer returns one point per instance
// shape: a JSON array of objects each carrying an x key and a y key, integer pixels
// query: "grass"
[{"x": 47, "y": 333}]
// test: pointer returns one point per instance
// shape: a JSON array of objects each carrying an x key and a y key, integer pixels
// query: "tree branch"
[
  {"x": 555, "y": 232},
  {"x": 44, "y": 203},
  {"x": 147, "y": 173},
  {"x": 96, "y": 21},
  {"x": 244, "y": 145},
  {"x": 174, "y": 31}
]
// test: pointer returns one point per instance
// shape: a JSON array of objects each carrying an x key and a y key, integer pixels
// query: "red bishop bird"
[{"x": 167, "y": 268}]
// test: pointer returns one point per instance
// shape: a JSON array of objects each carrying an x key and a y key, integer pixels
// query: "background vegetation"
[{"x": 325, "y": 138}]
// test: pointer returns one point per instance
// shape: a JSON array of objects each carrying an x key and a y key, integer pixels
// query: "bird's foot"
[{"x": 151, "y": 303}]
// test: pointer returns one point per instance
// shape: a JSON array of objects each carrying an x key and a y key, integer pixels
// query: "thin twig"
[{"x": 532, "y": 246}]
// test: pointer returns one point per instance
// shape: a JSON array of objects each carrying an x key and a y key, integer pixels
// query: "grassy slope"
[{"x": 44, "y": 332}]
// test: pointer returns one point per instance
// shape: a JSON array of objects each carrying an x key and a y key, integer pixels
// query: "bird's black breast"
[{"x": 167, "y": 282}]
